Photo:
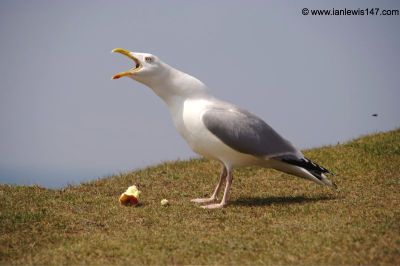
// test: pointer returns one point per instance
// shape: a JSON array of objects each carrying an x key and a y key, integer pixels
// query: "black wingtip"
[{"x": 306, "y": 164}]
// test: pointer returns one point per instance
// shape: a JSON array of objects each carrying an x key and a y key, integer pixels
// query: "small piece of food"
[
  {"x": 164, "y": 202},
  {"x": 130, "y": 197}
]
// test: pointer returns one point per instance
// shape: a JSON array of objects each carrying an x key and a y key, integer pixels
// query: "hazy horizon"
[{"x": 316, "y": 79}]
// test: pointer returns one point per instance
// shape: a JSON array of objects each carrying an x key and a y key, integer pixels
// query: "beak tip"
[{"x": 120, "y": 50}]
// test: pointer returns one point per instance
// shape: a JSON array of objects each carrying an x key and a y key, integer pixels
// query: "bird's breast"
[
  {"x": 187, "y": 118},
  {"x": 193, "y": 129}
]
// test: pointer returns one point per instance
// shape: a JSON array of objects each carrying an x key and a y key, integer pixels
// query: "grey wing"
[{"x": 246, "y": 133}]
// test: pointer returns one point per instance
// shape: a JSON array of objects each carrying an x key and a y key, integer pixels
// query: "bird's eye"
[{"x": 148, "y": 59}]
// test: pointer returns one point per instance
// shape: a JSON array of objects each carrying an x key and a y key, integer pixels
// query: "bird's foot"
[
  {"x": 214, "y": 206},
  {"x": 203, "y": 200}
]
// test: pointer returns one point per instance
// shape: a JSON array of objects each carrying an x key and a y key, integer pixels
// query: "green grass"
[{"x": 272, "y": 218}]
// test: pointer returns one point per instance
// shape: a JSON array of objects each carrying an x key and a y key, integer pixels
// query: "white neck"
[{"x": 172, "y": 83}]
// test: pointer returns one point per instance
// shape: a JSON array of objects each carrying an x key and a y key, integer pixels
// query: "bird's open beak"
[{"x": 138, "y": 65}]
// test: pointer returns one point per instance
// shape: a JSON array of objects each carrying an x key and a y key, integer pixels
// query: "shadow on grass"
[{"x": 257, "y": 201}]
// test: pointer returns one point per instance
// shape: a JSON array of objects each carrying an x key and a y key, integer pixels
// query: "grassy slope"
[{"x": 273, "y": 218}]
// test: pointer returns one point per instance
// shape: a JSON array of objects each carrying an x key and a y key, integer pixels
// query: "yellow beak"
[{"x": 127, "y": 53}]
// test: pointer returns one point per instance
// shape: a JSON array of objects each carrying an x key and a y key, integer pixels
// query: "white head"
[
  {"x": 147, "y": 69},
  {"x": 163, "y": 79}
]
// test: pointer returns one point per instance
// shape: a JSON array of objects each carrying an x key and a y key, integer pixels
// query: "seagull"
[{"x": 217, "y": 129}]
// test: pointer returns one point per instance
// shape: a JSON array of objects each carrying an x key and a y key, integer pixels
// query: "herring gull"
[{"x": 219, "y": 130}]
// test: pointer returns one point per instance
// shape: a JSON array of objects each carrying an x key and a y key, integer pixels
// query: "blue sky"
[{"x": 316, "y": 80}]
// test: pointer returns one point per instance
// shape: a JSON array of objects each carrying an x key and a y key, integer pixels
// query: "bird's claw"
[{"x": 203, "y": 200}]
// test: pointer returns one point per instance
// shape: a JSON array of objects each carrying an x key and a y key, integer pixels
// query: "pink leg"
[
  {"x": 225, "y": 198},
  {"x": 216, "y": 190}
]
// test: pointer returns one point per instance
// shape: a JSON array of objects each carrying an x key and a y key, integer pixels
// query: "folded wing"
[{"x": 246, "y": 133}]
